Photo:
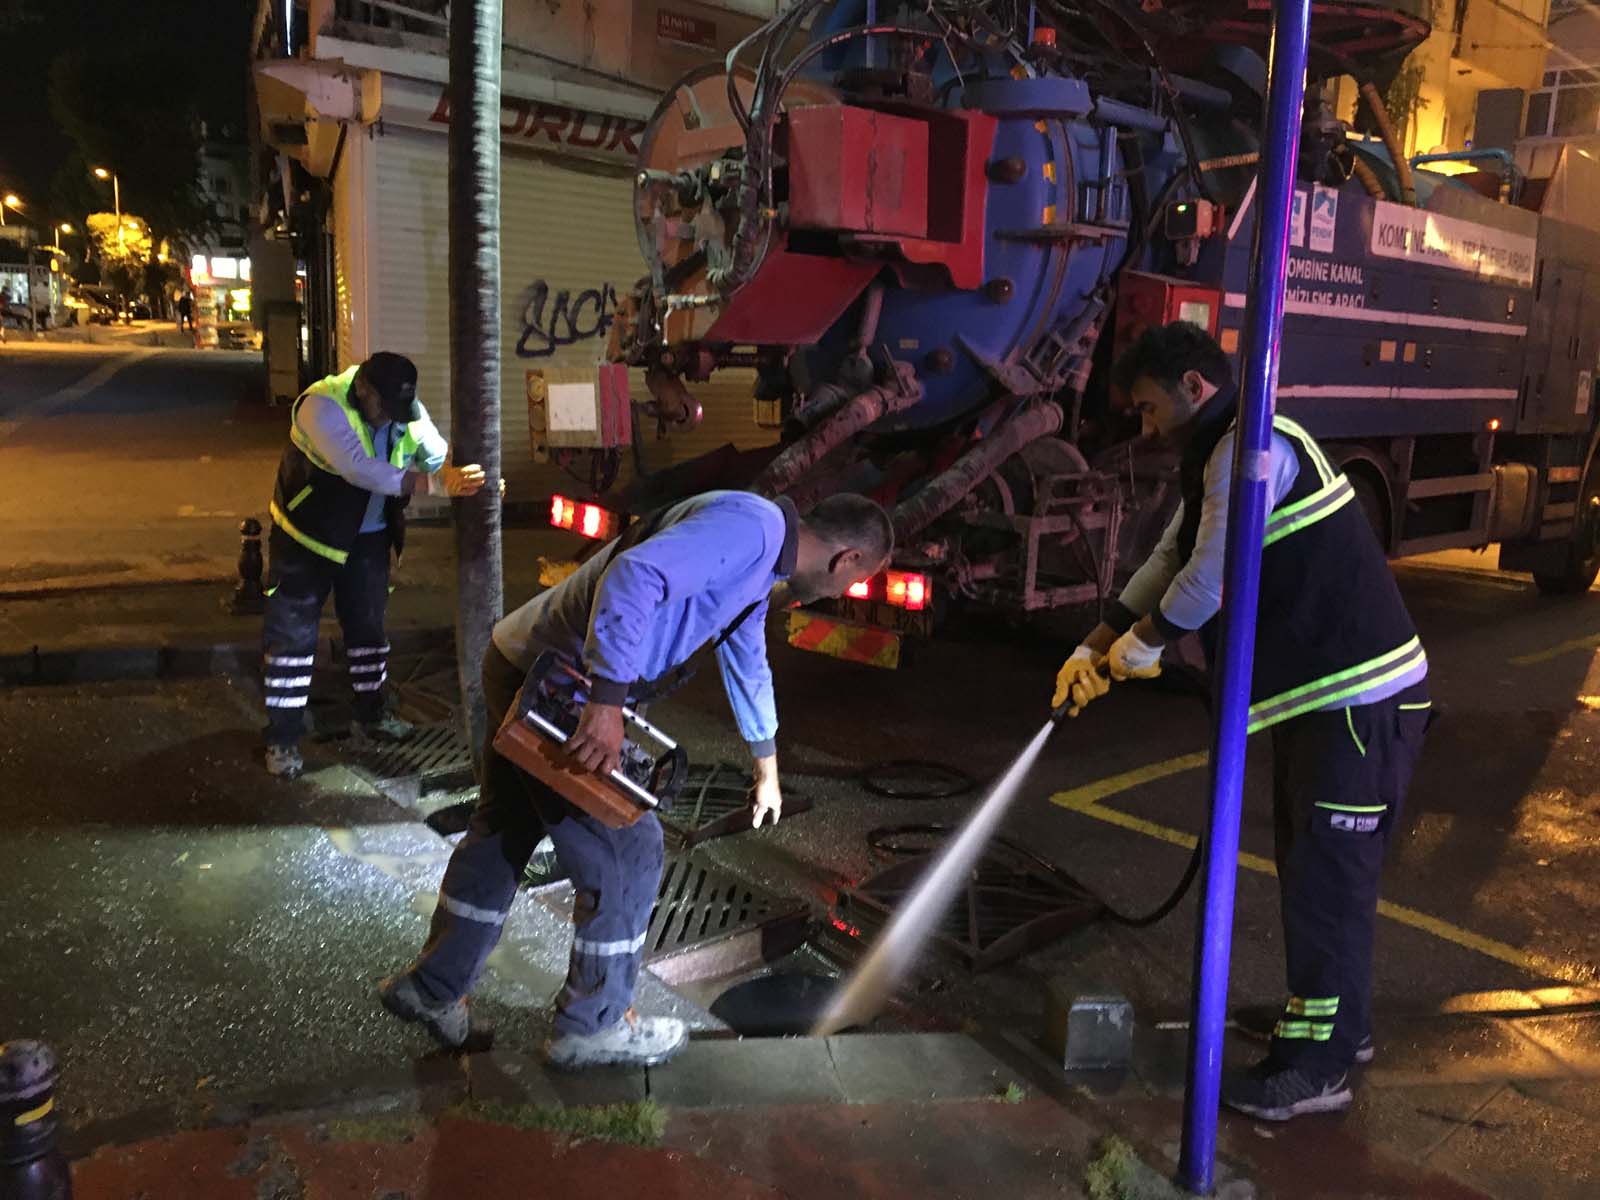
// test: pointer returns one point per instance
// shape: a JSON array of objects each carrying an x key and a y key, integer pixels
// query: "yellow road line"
[
  {"x": 1583, "y": 643},
  {"x": 1086, "y": 800}
]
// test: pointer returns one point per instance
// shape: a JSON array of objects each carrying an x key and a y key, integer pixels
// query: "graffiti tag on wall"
[{"x": 553, "y": 320}]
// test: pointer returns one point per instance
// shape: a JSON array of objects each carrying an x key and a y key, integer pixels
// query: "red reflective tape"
[{"x": 812, "y": 634}]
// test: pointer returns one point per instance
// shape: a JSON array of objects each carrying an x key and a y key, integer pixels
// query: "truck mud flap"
[{"x": 844, "y": 640}]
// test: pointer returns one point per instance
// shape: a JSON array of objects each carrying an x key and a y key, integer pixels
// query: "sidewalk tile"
[
  {"x": 883, "y": 1068},
  {"x": 734, "y": 1072}
]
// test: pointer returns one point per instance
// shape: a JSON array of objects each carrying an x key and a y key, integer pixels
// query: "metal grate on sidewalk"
[
  {"x": 699, "y": 902},
  {"x": 715, "y": 802},
  {"x": 436, "y": 755}
]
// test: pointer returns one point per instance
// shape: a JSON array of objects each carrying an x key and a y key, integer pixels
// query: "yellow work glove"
[
  {"x": 1131, "y": 657},
  {"x": 461, "y": 481},
  {"x": 1080, "y": 681}
]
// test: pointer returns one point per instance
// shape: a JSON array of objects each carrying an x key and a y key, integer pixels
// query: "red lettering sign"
[{"x": 686, "y": 30}]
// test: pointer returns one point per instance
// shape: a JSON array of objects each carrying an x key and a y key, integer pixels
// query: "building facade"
[{"x": 354, "y": 120}]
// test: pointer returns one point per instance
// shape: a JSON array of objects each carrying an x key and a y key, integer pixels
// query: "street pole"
[
  {"x": 1247, "y": 515},
  {"x": 116, "y": 201},
  {"x": 474, "y": 220}
]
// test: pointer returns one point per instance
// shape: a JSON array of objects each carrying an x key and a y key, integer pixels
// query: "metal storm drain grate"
[
  {"x": 715, "y": 802},
  {"x": 700, "y": 903},
  {"x": 1014, "y": 902},
  {"x": 436, "y": 754}
]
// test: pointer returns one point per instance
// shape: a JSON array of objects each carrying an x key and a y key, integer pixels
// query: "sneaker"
[
  {"x": 1272, "y": 1093},
  {"x": 634, "y": 1041},
  {"x": 1366, "y": 1051},
  {"x": 387, "y": 728},
  {"x": 284, "y": 762},
  {"x": 448, "y": 1023}
]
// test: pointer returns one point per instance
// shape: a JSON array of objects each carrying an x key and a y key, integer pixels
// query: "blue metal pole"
[{"x": 1247, "y": 515}]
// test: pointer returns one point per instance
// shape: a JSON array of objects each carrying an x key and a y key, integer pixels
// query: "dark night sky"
[{"x": 204, "y": 41}]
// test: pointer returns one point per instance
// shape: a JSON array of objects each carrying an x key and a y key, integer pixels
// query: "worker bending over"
[
  {"x": 632, "y": 615},
  {"x": 1340, "y": 679},
  {"x": 360, "y": 445}
]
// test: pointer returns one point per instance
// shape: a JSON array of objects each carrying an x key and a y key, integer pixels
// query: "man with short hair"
[
  {"x": 360, "y": 445},
  {"x": 633, "y": 615},
  {"x": 1340, "y": 678}
]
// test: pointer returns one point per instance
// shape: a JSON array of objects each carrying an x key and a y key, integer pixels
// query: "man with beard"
[{"x": 633, "y": 615}]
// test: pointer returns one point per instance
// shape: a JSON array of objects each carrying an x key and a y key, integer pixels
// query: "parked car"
[{"x": 139, "y": 310}]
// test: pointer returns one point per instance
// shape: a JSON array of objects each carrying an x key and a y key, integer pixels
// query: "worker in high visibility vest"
[
  {"x": 360, "y": 446},
  {"x": 1340, "y": 677}
]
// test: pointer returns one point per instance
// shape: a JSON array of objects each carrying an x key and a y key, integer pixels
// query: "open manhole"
[
  {"x": 715, "y": 802},
  {"x": 435, "y": 756},
  {"x": 707, "y": 921},
  {"x": 1014, "y": 901}
]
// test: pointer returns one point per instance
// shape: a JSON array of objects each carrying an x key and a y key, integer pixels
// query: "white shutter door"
[{"x": 568, "y": 251}]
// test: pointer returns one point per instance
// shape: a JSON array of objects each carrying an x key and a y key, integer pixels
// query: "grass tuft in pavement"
[
  {"x": 1117, "y": 1173},
  {"x": 392, "y": 1131},
  {"x": 641, "y": 1123}
]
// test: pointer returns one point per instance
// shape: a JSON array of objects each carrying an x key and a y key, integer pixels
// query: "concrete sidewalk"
[{"x": 868, "y": 1117}]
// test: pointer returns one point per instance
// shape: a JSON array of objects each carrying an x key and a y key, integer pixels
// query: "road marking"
[
  {"x": 1583, "y": 643},
  {"x": 49, "y": 405},
  {"x": 1087, "y": 801}
]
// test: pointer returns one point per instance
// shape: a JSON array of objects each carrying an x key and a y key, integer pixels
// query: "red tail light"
[
  {"x": 907, "y": 590},
  {"x": 590, "y": 520}
]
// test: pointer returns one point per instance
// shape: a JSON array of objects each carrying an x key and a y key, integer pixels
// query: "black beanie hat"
[{"x": 395, "y": 378}]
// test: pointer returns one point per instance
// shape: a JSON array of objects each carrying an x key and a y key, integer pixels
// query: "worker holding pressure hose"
[{"x": 1340, "y": 678}]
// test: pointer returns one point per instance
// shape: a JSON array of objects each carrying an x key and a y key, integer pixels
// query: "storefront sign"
[
  {"x": 555, "y": 126},
  {"x": 685, "y": 30}
]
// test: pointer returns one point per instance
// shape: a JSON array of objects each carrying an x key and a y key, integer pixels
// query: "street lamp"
[
  {"x": 116, "y": 195},
  {"x": 64, "y": 227},
  {"x": 9, "y": 200}
]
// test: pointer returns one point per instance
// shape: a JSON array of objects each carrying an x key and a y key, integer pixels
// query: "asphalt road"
[{"x": 129, "y": 464}]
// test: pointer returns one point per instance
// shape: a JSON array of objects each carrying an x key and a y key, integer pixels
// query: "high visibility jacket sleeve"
[
  {"x": 1195, "y": 593},
  {"x": 336, "y": 442},
  {"x": 432, "y": 449}
]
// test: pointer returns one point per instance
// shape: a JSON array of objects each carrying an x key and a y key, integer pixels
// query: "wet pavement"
[{"x": 187, "y": 931}]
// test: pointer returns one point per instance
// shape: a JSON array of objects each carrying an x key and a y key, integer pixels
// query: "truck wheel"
[
  {"x": 1373, "y": 504},
  {"x": 1582, "y": 565}
]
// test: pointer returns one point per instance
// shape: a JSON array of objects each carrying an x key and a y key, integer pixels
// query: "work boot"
[
  {"x": 1366, "y": 1051},
  {"x": 448, "y": 1023},
  {"x": 284, "y": 762},
  {"x": 1274, "y": 1093},
  {"x": 386, "y": 729},
  {"x": 634, "y": 1041}
]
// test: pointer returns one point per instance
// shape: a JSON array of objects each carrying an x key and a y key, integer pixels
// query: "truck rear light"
[
  {"x": 589, "y": 520},
  {"x": 861, "y": 590},
  {"x": 907, "y": 590}
]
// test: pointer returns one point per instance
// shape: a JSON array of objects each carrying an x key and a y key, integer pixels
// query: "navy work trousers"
[
  {"x": 298, "y": 583},
  {"x": 615, "y": 874},
  {"x": 1339, "y": 784}
]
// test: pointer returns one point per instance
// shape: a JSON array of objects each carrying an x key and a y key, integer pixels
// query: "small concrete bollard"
[
  {"x": 32, "y": 1166},
  {"x": 1089, "y": 1033},
  {"x": 249, "y": 597}
]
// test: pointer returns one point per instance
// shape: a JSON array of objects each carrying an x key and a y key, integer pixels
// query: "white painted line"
[
  {"x": 1244, "y": 207},
  {"x": 1386, "y": 316},
  {"x": 1340, "y": 391}
]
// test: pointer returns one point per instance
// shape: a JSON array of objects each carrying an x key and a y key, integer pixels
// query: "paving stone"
[
  {"x": 592, "y": 1089},
  {"x": 1520, "y": 1148},
  {"x": 505, "y": 1077},
  {"x": 733, "y": 1072},
  {"x": 1413, "y": 1122},
  {"x": 1574, "y": 1040},
  {"x": 1455, "y": 1050},
  {"x": 880, "y": 1068}
]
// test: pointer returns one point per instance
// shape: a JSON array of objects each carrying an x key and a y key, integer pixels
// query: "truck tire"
[{"x": 1582, "y": 566}]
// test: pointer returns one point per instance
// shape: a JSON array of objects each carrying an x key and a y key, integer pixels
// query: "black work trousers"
[
  {"x": 298, "y": 583},
  {"x": 615, "y": 874},
  {"x": 1339, "y": 784}
]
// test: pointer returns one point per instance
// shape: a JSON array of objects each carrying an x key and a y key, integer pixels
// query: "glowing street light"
[
  {"x": 9, "y": 200},
  {"x": 116, "y": 195}
]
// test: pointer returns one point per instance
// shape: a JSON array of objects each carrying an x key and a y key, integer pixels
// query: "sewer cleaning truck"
[{"x": 925, "y": 231}]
